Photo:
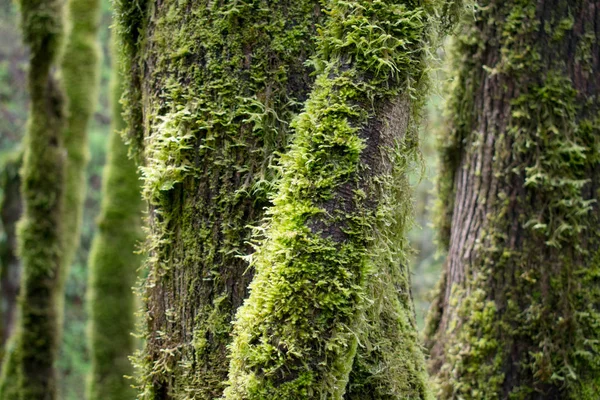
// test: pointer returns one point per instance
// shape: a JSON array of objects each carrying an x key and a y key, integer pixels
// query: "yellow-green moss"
[{"x": 297, "y": 334}]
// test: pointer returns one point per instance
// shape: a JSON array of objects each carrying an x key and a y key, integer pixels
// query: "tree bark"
[
  {"x": 517, "y": 312},
  {"x": 214, "y": 85},
  {"x": 10, "y": 211}
]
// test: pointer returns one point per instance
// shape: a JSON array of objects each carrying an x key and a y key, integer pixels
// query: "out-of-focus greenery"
[{"x": 74, "y": 360}]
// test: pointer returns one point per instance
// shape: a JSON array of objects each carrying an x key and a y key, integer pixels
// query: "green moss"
[
  {"x": 79, "y": 68},
  {"x": 522, "y": 314},
  {"x": 228, "y": 79},
  {"x": 113, "y": 268},
  {"x": 40, "y": 229},
  {"x": 296, "y": 336}
]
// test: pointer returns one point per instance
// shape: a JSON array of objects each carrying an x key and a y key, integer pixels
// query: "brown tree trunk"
[{"x": 518, "y": 308}]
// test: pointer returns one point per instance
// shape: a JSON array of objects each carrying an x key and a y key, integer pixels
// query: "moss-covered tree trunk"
[
  {"x": 335, "y": 234},
  {"x": 40, "y": 229},
  {"x": 212, "y": 89},
  {"x": 11, "y": 207},
  {"x": 114, "y": 267},
  {"x": 518, "y": 311},
  {"x": 80, "y": 73}
]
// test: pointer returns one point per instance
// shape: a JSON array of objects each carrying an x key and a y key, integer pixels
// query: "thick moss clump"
[{"x": 297, "y": 335}]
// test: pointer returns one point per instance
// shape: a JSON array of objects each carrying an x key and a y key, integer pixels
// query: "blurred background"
[{"x": 74, "y": 360}]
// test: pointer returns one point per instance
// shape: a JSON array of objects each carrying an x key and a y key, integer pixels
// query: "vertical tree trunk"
[
  {"x": 212, "y": 89},
  {"x": 79, "y": 69},
  {"x": 517, "y": 314},
  {"x": 214, "y": 85},
  {"x": 40, "y": 229},
  {"x": 114, "y": 266}
]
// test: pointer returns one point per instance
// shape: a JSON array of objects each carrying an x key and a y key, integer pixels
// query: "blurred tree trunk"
[
  {"x": 113, "y": 267},
  {"x": 31, "y": 375},
  {"x": 518, "y": 308},
  {"x": 53, "y": 172},
  {"x": 10, "y": 269}
]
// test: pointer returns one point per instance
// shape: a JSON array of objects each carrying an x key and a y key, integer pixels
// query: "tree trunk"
[
  {"x": 214, "y": 85},
  {"x": 40, "y": 229},
  {"x": 335, "y": 233},
  {"x": 517, "y": 313},
  {"x": 10, "y": 212},
  {"x": 80, "y": 72},
  {"x": 114, "y": 266}
]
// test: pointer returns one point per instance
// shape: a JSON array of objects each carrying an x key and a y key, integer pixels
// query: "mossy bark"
[
  {"x": 11, "y": 208},
  {"x": 80, "y": 73},
  {"x": 114, "y": 267},
  {"x": 517, "y": 310},
  {"x": 215, "y": 85},
  {"x": 211, "y": 91},
  {"x": 40, "y": 229},
  {"x": 335, "y": 232}
]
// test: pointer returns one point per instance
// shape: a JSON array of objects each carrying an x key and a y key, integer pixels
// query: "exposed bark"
[
  {"x": 113, "y": 267},
  {"x": 518, "y": 309}
]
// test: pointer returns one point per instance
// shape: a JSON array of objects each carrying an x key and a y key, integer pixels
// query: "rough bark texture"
[
  {"x": 215, "y": 85},
  {"x": 518, "y": 310},
  {"x": 10, "y": 270},
  {"x": 114, "y": 267},
  {"x": 40, "y": 229}
]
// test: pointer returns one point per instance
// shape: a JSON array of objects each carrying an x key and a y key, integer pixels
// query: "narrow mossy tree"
[
  {"x": 41, "y": 228},
  {"x": 53, "y": 172},
  {"x": 518, "y": 310},
  {"x": 80, "y": 73},
  {"x": 211, "y": 92},
  {"x": 11, "y": 207},
  {"x": 113, "y": 267}
]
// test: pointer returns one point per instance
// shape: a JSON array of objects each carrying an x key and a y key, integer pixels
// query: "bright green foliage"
[
  {"x": 79, "y": 69},
  {"x": 326, "y": 238},
  {"x": 40, "y": 229},
  {"x": 113, "y": 268},
  {"x": 526, "y": 315}
]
